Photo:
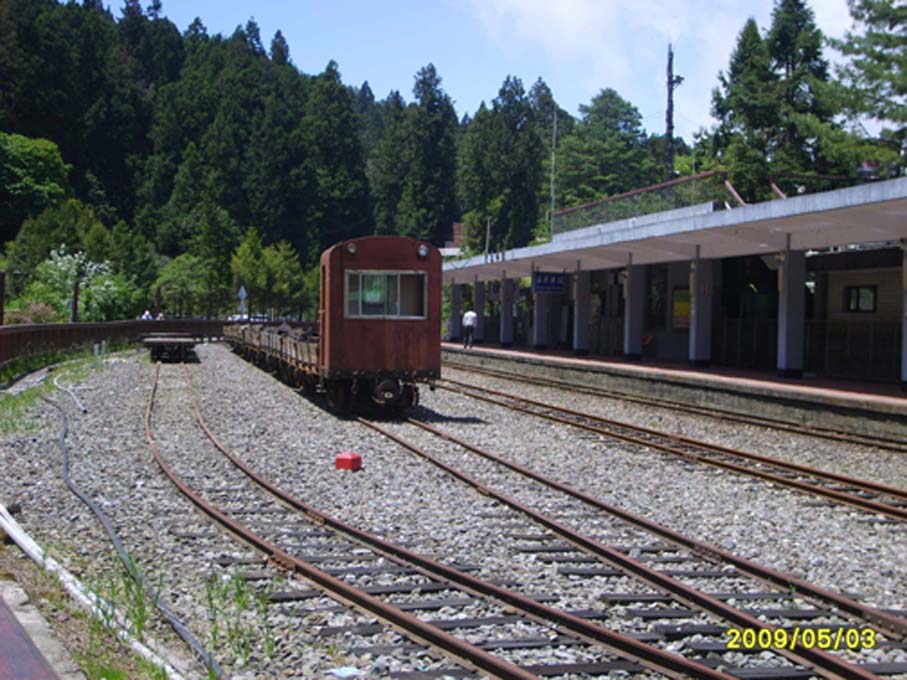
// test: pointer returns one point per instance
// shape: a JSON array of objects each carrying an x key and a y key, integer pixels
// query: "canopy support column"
[
  {"x": 634, "y": 310},
  {"x": 791, "y": 309}
]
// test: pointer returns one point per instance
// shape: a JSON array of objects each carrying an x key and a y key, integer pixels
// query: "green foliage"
[
  {"x": 71, "y": 225},
  {"x": 387, "y": 170},
  {"x": 33, "y": 177},
  {"x": 310, "y": 292},
  {"x": 232, "y": 608},
  {"x": 280, "y": 51},
  {"x": 476, "y": 184},
  {"x": 31, "y": 312},
  {"x": 10, "y": 63},
  {"x": 332, "y": 174},
  {"x": 103, "y": 295},
  {"x": 427, "y": 204},
  {"x": 215, "y": 236},
  {"x": 607, "y": 153},
  {"x": 248, "y": 267},
  {"x": 178, "y": 144},
  {"x": 273, "y": 276},
  {"x": 15, "y": 406},
  {"x": 795, "y": 45},
  {"x": 286, "y": 283},
  {"x": 877, "y": 71},
  {"x": 369, "y": 118},
  {"x": 543, "y": 104},
  {"x": 779, "y": 110},
  {"x": 22, "y": 364},
  {"x": 517, "y": 172},
  {"x": 180, "y": 287},
  {"x": 87, "y": 87},
  {"x": 748, "y": 169},
  {"x": 501, "y": 171},
  {"x": 131, "y": 255},
  {"x": 745, "y": 101}
]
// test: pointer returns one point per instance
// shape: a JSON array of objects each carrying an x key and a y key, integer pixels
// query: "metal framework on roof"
[{"x": 868, "y": 213}]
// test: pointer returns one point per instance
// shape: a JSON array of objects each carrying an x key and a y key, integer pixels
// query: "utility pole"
[
  {"x": 487, "y": 235},
  {"x": 673, "y": 82}
]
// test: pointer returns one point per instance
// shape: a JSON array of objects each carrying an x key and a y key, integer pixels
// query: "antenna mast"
[{"x": 673, "y": 82}]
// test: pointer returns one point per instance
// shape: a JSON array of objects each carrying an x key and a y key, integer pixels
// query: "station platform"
[
  {"x": 854, "y": 406},
  {"x": 28, "y": 648}
]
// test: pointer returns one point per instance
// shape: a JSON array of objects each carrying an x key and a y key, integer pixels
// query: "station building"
[{"x": 807, "y": 284}]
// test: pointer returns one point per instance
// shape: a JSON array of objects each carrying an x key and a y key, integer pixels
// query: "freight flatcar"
[{"x": 379, "y": 328}]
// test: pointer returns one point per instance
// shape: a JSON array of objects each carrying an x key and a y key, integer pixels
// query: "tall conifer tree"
[
  {"x": 877, "y": 71},
  {"x": 332, "y": 174},
  {"x": 427, "y": 204},
  {"x": 386, "y": 169}
]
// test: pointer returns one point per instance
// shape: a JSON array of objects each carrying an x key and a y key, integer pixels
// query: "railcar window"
[
  {"x": 386, "y": 294},
  {"x": 352, "y": 294},
  {"x": 412, "y": 295},
  {"x": 374, "y": 298}
]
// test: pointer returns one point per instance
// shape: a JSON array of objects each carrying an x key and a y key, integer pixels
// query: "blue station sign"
[{"x": 548, "y": 282}]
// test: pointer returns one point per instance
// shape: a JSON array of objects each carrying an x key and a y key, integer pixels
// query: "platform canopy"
[{"x": 868, "y": 213}]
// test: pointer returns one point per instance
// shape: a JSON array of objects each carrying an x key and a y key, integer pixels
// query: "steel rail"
[
  {"x": 623, "y": 645},
  {"x": 470, "y": 654},
  {"x": 821, "y": 432},
  {"x": 840, "y": 496},
  {"x": 832, "y": 666},
  {"x": 891, "y": 625},
  {"x": 129, "y": 564}
]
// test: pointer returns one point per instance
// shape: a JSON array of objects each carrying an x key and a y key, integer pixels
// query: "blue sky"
[{"x": 577, "y": 46}]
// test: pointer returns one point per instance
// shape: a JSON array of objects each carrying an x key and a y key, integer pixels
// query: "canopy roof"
[{"x": 868, "y": 213}]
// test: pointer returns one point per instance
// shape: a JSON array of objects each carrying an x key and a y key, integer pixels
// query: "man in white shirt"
[{"x": 470, "y": 319}]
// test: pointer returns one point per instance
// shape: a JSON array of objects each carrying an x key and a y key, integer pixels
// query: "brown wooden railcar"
[
  {"x": 379, "y": 323},
  {"x": 380, "y": 311}
]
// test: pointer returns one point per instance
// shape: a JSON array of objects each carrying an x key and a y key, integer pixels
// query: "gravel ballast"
[{"x": 294, "y": 441}]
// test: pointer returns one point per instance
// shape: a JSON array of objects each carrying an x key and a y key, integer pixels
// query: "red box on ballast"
[{"x": 348, "y": 461}]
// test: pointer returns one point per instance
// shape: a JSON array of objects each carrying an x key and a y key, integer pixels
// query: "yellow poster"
[{"x": 680, "y": 308}]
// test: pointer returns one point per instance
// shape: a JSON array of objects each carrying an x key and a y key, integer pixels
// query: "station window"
[
  {"x": 861, "y": 298},
  {"x": 386, "y": 294}
]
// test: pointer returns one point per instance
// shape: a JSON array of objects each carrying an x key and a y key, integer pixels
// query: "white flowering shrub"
[{"x": 103, "y": 296}]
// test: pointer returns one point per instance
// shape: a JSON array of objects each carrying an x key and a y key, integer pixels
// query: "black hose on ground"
[{"x": 131, "y": 568}]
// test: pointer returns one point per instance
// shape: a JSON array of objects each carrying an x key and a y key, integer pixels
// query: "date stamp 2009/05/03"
[{"x": 832, "y": 639}]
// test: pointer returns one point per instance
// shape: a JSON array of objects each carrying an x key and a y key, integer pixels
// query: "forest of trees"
[{"x": 149, "y": 162}]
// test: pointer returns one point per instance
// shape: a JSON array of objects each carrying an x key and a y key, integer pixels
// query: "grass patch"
[
  {"x": 238, "y": 616},
  {"x": 76, "y": 365},
  {"x": 14, "y": 407},
  {"x": 99, "y": 653},
  {"x": 100, "y": 671},
  {"x": 21, "y": 365}
]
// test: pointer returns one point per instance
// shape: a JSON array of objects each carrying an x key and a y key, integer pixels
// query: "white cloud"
[
  {"x": 832, "y": 16},
  {"x": 593, "y": 44}
]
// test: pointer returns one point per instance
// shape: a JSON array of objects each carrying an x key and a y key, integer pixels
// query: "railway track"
[
  {"x": 437, "y": 606},
  {"x": 679, "y": 570},
  {"x": 862, "y": 494},
  {"x": 880, "y": 442},
  {"x": 652, "y": 603}
]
